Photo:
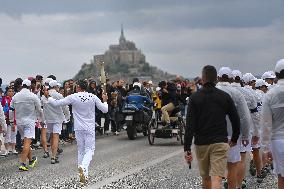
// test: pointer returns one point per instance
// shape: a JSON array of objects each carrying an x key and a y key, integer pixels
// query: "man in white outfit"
[
  {"x": 269, "y": 78},
  {"x": 252, "y": 105},
  {"x": 250, "y": 82},
  {"x": 54, "y": 117},
  {"x": 28, "y": 110},
  {"x": 273, "y": 123},
  {"x": 83, "y": 107},
  {"x": 234, "y": 156}
]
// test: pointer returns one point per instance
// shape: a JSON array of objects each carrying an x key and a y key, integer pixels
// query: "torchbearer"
[{"x": 83, "y": 106}]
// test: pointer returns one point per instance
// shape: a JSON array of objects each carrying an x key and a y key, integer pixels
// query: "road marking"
[{"x": 133, "y": 171}]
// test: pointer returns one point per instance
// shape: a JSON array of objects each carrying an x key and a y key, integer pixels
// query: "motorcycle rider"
[{"x": 139, "y": 98}]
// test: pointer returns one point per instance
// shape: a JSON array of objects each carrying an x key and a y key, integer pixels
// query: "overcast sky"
[{"x": 58, "y": 36}]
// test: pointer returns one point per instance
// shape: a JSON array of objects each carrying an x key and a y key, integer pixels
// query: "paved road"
[{"x": 118, "y": 163}]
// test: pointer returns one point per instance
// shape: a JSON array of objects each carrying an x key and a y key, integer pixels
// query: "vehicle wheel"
[
  {"x": 181, "y": 132},
  {"x": 131, "y": 131},
  {"x": 151, "y": 136}
]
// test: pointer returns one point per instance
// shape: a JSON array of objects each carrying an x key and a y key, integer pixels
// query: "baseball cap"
[
  {"x": 236, "y": 73},
  {"x": 247, "y": 77},
  {"x": 225, "y": 71},
  {"x": 27, "y": 82},
  {"x": 53, "y": 83},
  {"x": 48, "y": 80},
  {"x": 279, "y": 66},
  {"x": 260, "y": 82},
  {"x": 268, "y": 75}
]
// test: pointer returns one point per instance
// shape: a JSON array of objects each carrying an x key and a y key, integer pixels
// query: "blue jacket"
[{"x": 138, "y": 101}]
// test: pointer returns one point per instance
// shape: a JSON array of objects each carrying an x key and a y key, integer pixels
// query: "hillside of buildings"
[{"x": 122, "y": 61}]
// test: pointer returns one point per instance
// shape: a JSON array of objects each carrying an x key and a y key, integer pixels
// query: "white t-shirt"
[{"x": 83, "y": 108}]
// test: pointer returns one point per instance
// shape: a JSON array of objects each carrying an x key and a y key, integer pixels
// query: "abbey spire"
[{"x": 122, "y": 38}]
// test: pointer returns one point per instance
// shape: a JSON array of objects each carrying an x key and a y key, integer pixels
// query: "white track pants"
[{"x": 86, "y": 148}]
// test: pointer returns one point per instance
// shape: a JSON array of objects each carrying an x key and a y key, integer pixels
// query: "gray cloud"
[{"x": 178, "y": 36}]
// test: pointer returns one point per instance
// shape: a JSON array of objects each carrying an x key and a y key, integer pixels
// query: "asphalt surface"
[{"x": 117, "y": 163}]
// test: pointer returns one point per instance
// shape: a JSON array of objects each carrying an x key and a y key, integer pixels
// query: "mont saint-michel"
[{"x": 123, "y": 60}]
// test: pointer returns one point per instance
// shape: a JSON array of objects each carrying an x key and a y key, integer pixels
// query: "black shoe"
[
  {"x": 54, "y": 160},
  {"x": 259, "y": 178},
  {"x": 263, "y": 173},
  {"x": 45, "y": 155},
  {"x": 59, "y": 151},
  {"x": 252, "y": 169}
]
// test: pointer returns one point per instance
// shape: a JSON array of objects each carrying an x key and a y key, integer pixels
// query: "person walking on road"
[
  {"x": 273, "y": 123},
  {"x": 83, "y": 107},
  {"x": 54, "y": 117},
  {"x": 28, "y": 109},
  {"x": 206, "y": 122}
]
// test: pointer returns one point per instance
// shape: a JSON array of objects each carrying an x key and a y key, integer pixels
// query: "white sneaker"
[
  {"x": 14, "y": 152},
  {"x": 4, "y": 154},
  {"x": 82, "y": 176}
]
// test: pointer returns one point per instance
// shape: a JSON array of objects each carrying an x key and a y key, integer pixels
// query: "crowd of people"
[
  {"x": 30, "y": 120},
  {"x": 230, "y": 115},
  {"x": 233, "y": 116}
]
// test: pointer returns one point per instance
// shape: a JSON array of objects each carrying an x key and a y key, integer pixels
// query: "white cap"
[
  {"x": 150, "y": 82},
  {"x": 268, "y": 75},
  {"x": 27, "y": 82},
  {"x": 260, "y": 83},
  {"x": 279, "y": 66},
  {"x": 247, "y": 77},
  {"x": 53, "y": 83},
  {"x": 158, "y": 88},
  {"x": 225, "y": 71},
  {"x": 48, "y": 80},
  {"x": 236, "y": 73},
  {"x": 272, "y": 73}
]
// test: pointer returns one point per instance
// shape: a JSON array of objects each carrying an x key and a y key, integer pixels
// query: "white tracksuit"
[
  {"x": 243, "y": 111},
  {"x": 273, "y": 125},
  {"x": 252, "y": 105},
  {"x": 83, "y": 108},
  {"x": 54, "y": 115},
  {"x": 255, "y": 115}
]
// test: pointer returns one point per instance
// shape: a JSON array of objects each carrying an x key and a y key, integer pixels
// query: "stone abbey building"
[{"x": 124, "y": 53}]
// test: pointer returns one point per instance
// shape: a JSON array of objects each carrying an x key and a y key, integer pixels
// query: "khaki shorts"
[{"x": 212, "y": 159}]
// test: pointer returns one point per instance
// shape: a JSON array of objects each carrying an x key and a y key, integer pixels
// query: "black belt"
[{"x": 253, "y": 110}]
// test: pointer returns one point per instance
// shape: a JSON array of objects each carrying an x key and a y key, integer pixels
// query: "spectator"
[
  {"x": 206, "y": 122},
  {"x": 10, "y": 138}
]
